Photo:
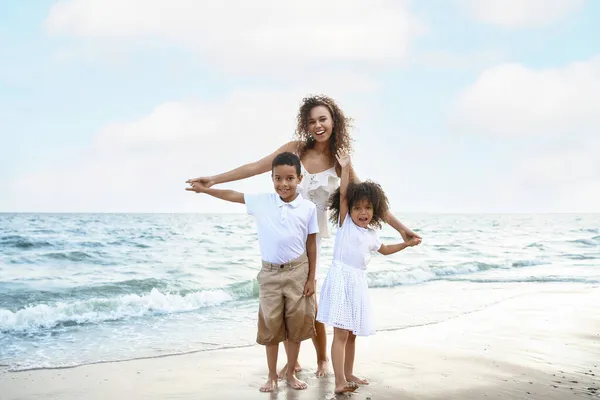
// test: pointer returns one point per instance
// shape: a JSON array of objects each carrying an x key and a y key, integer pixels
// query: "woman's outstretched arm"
[{"x": 245, "y": 171}]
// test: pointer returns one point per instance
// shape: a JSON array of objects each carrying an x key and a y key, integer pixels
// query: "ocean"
[{"x": 87, "y": 288}]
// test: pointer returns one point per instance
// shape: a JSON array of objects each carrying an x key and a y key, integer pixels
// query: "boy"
[{"x": 287, "y": 229}]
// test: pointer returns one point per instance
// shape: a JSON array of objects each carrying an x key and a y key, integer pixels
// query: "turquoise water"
[{"x": 83, "y": 288}]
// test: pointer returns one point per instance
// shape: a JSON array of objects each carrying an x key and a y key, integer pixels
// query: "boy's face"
[
  {"x": 285, "y": 179},
  {"x": 362, "y": 213}
]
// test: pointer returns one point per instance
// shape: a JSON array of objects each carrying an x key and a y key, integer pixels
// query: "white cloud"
[
  {"x": 520, "y": 13},
  {"x": 564, "y": 180},
  {"x": 546, "y": 125},
  {"x": 511, "y": 99},
  {"x": 242, "y": 34},
  {"x": 447, "y": 60}
]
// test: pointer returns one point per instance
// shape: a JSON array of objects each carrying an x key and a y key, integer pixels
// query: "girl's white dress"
[{"x": 344, "y": 301}]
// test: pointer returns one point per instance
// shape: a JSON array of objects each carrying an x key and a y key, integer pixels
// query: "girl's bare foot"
[
  {"x": 356, "y": 379},
  {"x": 345, "y": 388},
  {"x": 322, "y": 368},
  {"x": 283, "y": 372},
  {"x": 296, "y": 383},
  {"x": 270, "y": 385}
]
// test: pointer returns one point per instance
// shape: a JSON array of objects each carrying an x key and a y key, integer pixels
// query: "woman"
[{"x": 321, "y": 131}]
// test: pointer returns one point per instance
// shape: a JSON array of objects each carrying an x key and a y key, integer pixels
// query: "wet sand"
[{"x": 543, "y": 345}]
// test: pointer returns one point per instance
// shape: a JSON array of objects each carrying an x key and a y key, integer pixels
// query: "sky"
[{"x": 486, "y": 106}]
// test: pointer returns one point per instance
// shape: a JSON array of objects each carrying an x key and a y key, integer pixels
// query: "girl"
[
  {"x": 344, "y": 302},
  {"x": 322, "y": 129}
]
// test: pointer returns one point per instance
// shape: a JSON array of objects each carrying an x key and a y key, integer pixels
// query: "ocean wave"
[
  {"x": 595, "y": 241},
  {"x": 539, "y": 279},
  {"x": 69, "y": 256},
  {"x": 98, "y": 310},
  {"x": 581, "y": 257},
  {"x": 24, "y": 243},
  {"x": 393, "y": 278},
  {"x": 529, "y": 263}
]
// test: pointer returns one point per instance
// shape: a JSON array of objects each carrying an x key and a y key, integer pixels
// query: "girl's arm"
[
  {"x": 387, "y": 249},
  {"x": 246, "y": 171},
  {"x": 344, "y": 161},
  {"x": 389, "y": 218}
]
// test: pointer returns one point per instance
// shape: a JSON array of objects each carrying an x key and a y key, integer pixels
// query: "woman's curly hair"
[
  {"x": 368, "y": 190},
  {"x": 340, "y": 136}
]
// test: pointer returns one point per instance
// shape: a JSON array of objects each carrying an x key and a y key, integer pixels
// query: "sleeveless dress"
[
  {"x": 344, "y": 301},
  {"x": 317, "y": 188}
]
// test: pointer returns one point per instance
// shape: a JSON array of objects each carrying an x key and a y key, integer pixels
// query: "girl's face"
[
  {"x": 320, "y": 123},
  {"x": 362, "y": 213}
]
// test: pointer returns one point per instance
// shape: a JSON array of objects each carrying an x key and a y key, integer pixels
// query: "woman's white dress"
[{"x": 318, "y": 188}]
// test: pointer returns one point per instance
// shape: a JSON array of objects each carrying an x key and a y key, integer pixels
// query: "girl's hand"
[
  {"x": 205, "y": 181},
  {"x": 343, "y": 158}
]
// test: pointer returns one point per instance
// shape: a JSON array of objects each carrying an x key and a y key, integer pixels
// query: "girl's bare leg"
[
  {"x": 349, "y": 361},
  {"x": 338, "y": 350}
]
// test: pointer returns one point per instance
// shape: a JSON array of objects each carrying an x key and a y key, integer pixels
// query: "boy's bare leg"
[
  {"x": 292, "y": 355},
  {"x": 271, "y": 384},
  {"x": 338, "y": 350},
  {"x": 283, "y": 371},
  {"x": 349, "y": 361}
]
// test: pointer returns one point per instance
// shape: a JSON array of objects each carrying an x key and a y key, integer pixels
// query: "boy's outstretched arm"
[{"x": 227, "y": 195}]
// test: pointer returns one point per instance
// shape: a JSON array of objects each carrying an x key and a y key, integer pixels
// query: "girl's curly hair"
[
  {"x": 340, "y": 136},
  {"x": 368, "y": 190}
]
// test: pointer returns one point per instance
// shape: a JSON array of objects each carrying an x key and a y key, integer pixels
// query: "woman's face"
[{"x": 320, "y": 123}]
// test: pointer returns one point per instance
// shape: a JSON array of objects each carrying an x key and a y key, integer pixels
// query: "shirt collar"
[{"x": 294, "y": 203}]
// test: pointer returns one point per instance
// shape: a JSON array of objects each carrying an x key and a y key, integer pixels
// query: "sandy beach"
[{"x": 542, "y": 345}]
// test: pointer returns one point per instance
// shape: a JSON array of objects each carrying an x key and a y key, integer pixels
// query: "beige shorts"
[{"x": 284, "y": 313}]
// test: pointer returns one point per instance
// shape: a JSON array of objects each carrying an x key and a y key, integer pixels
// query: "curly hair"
[
  {"x": 340, "y": 136},
  {"x": 368, "y": 190}
]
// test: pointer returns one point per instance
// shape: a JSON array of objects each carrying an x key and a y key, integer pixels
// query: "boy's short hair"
[{"x": 287, "y": 158}]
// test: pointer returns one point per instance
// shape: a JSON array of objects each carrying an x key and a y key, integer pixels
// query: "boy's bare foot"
[
  {"x": 283, "y": 373},
  {"x": 269, "y": 386},
  {"x": 356, "y": 379},
  {"x": 322, "y": 368},
  {"x": 345, "y": 388},
  {"x": 296, "y": 383}
]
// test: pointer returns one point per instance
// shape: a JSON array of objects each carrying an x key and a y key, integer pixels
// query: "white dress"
[
  {"x": 344, "y": 301},
  {"x": 318, "y": 188}
]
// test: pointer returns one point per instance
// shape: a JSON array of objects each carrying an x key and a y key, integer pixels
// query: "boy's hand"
[
  {"x": 309, "y": 287},
  {"x": 343, "y": 158},
  {"x": 196, "y": 187},
  {"x": 413, "y": 241},
  {"x": 205, "y": 181}
]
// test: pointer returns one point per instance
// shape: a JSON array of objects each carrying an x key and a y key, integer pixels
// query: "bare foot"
[
  {"x": 322, "y": 368},
  {"x": 269, "y": 386},
  {"x": 295, "y": 383},
  {"x": 345, "y": 388},
  {"x": 283, "y": 373},
  {"x": 356, "y": 379}
]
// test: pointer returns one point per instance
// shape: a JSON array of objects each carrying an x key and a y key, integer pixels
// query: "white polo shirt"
[{"x": 282, "y": 227}]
